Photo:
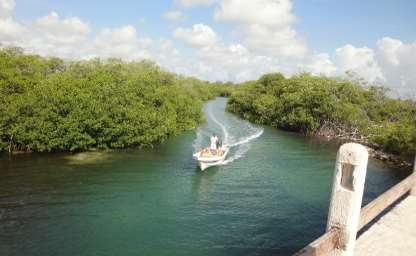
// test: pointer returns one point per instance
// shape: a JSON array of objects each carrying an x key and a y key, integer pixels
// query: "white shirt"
[{"x": 213, "y": 142}]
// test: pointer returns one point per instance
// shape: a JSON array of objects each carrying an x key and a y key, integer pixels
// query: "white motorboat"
[{"x": 208, "y": 158}]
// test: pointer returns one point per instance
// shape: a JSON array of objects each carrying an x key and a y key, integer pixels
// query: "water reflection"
[{"x": 204, "y": 181}]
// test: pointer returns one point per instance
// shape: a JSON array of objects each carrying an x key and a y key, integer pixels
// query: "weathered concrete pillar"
[
  {"x": 347, "y": 194},
  {"x": 413, "y": 190}
]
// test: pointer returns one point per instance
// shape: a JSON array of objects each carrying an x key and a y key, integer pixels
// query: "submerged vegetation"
[
  {"x": 47, "y": 104},
  {"x": 331, "y": 107}
]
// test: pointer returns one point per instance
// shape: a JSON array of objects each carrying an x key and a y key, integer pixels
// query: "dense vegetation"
[
  {"x": 331, "y": 107},
  {"x": 47, "y": 104}
]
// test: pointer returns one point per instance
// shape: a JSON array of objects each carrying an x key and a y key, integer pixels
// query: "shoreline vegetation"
[
  {"x": 52, "y": 105},
  {"x": 332, "y": 108}
]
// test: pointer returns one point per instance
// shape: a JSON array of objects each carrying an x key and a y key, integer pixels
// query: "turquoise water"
[{"x": 270, "y": 198}]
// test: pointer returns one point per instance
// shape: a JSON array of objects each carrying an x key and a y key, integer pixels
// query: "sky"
[{"x": 227, "y": 40}]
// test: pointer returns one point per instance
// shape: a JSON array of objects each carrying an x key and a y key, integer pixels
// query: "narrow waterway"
[{"x": 269, "y": 198}]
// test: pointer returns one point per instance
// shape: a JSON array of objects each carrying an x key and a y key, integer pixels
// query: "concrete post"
[
  {"x": 413, "y": 190},
  {"x": 347, "y": 194}
]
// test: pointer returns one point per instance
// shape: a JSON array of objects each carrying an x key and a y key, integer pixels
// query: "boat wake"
[
  {"x": 248, "y": 139},
  {"x": 242, "y": 134},
  {"x": 224, "y": 130},
  {"x": 243, "y": 146}
]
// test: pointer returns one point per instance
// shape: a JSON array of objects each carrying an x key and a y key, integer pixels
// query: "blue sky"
[
  {"x": 325, "y": 24},
  {"x": 330, "y": 24},
  {"x": 226, "y": 39}
]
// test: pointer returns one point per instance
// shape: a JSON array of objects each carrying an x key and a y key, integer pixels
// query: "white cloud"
[
  {"x": 269, "y": 44},
  {"x": 358, "y": 60},
  {"x": 10, "y": 31},
  {"x": 269, "y": 13},
  {"x": 6, "y": 6},
  {"x": 48, "y": 35},
  {"x": 174, "y": 16},
  {"x": 190, "y": 3},
  {"x": 61, "y": 31},
  {"x": 215, "y": 60},
  {"x": 52, "y": 35},
  {"x": 283, "y": 42},
  {"x": 122, "y": 42},
  {"x": 167, "y": 56},
  {"x": 387, "y": 50},
  {"x": 266, "y": 26},
  {"x": 397, "y": 61},
  {"x": 319, "y": 64},
  {"x": 199, "y": 35},
  {"x": 390, "y": 63},
  {"x": 70, "y": 38}
]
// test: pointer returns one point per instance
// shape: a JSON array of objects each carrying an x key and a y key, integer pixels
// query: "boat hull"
[
  {"x": 205, "y": 165},
  {"x": 206, "y": 162}
]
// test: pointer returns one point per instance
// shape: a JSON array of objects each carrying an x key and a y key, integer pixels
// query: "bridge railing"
[{"x": 346, "y": 217}]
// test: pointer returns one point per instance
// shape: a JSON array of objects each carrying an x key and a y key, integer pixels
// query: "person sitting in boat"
[{"x": 205, "y": 152}]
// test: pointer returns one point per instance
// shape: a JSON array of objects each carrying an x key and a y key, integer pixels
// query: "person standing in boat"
[{"x": 213, "y": 145}]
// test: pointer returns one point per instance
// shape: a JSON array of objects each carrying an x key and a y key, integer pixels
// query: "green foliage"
[
  {"x": 47, "y": 104},
  {"x": 204, "y": 90},
  {"x": 306, "y": 103}
]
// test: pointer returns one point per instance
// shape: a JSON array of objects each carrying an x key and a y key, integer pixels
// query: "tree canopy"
[
  {"x": 307, "y": 104},
  {"x": 47, "y": 104}
]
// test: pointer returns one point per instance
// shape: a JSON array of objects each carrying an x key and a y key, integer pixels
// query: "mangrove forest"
[{"x": 332, "y": 107}]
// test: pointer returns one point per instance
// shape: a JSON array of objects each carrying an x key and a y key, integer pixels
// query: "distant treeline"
[
  {"x": 47, "y": 104},
  {"x": 331, "y": 107}
]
